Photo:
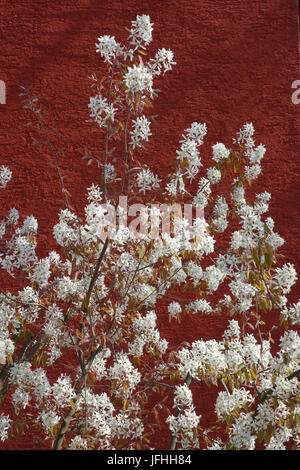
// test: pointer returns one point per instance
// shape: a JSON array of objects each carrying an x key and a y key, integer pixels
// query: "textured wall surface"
[{"x": 236, "y": 61}]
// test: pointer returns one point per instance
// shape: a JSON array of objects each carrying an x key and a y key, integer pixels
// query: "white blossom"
[
  {"x": 5, "y": 423},
  {"x": 139, "y": 79},
  {"x": 5, "y": 176},
  {"x": 220, "y": 152},
  {"x": 141, "y": 131},
  {"x": 174, "y": 309},
  {"x": 286, "y": 277},
  {"x": 214, "y": 175},
  {"x": 227, "y": 403},
  {"x": 141, "y": 31},
  {"x": 108, "y": 48},
  {"x": 62, "y": 391},
  {"x": 242, "y": 437},
  {"x": 49, "y": 419},
  {"x": 101, "y": 111},
  {"x": 146, "y": 180},
  {"x": 123, "y": 373},
  {"x": 162, "y": 61}
]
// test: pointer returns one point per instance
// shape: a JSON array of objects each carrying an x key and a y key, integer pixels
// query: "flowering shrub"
[{"x": 93, "y": 305}]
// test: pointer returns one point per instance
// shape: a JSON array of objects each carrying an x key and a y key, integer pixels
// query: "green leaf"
[
  {"x": 268, "y": 260},
  {"x": 255, "y": 257}
]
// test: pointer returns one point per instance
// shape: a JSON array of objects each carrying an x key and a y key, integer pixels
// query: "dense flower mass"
[
  {"x": 139, "y": 79},
  {"x": 83, "y": 356},
  {"x": 141, "y": 31},
  {"x": 108, "y": 48},
  {"x": 220, "y": 152},
  {"x": 162, "y": 61},
  {"x": 141, "y": 131},
  {"x": 101, "y": 110}
]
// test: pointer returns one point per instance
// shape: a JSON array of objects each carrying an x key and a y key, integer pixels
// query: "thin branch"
[{"x": 173, "y": 442}]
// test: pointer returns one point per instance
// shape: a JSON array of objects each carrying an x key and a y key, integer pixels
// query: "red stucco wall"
[{"x": 236, "y": 61}]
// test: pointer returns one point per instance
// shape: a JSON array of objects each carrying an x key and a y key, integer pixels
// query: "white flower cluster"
[
  {"x": 286, "y": 277},
  {"x": 101, "y": 110},
  {"x": 192, "y": 139},
  {"x": 65, "y": 232},
  {"x": 146, "y": 180},
  {"x": 54, "y": 334},
  {"x": 244, "y": 294},
  {"x": 41, "y": 272},
  {"x": 220, "y": 152},
  {"x": 211, "y": 359},
  {"x": 254, "y": 154},
  {"x": 184, "y": 425},
  {"x": 203, "y": 241},
  {"x": 63, "y": 391},
  {"x": 104, "y": 423},
  {"x": 214, "y": 175},
  {"x": 141, "y": 31},
  {"x": 228, "y": 403},
  {"x": 235, "y": 357},
  {"x": 162, "y": 61},
  {"x": 140, "y": 132},
  {"x": 220, "y": 221},
  {"x": 241, "y": 433},
  {"x": 108, "y": 47},
  {"x": 20, "y": 249},
  {"x": 28, "y": 382},
  {"x": 214, "y": 276},
  {"x": 245, "y": 135},
  {"x": 99, "y": 365},
  {"x": 252, "y": 172},
  {"x": 195, "y": 272},
  {"x": 124, "y": 376},
  {"x": 139, "y": 79},
  {"x": 5, "y": 176},
  {"x": 202, "y": 195},
  {"x": 5, "y": 423},
  {"x": 200, "y": 305},
  {"x": 257, "y": 154},
  {"x": 9, "y": 325},
  {"x": 49, "y": 420},
  {"x": 29, "y": 299},
  {"x": 94, "y": 193},
  {"x": 174, "y": 309},
  {"x": 254, "y": 230},
  {"x": 146, "y": 336},
  {"x": 182, "y": 396},
  {"x": 292, "y": 313},
  {"x": 176, "y": 185}
]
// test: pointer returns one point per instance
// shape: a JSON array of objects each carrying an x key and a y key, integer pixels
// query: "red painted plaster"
[{"x": 236, "y": 61}]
